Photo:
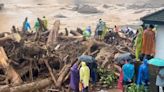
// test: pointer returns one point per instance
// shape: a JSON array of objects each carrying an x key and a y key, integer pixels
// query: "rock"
[
  {"x": 106, "y": 6},
  {"x": 74, "y": 9},
  {"x": 87, "y": 9},
  {"x": 60, "y": 16},
  {"x": 1, "y": 6}
]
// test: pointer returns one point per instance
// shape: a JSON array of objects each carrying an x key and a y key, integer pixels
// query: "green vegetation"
[{"x": 107, "y": 77}]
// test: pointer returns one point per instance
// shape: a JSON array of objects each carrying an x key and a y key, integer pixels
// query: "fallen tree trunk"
[
  {"x": 11, "y": 74},
  {"x": 52, "y": 37},
  {"x": 66, "y": 32},
  {"x": 27, "y": 87},
  {"x": 50, "y": 71},
  {"x": 75, "y": 33},
  {"x": 80, "y": 31}
]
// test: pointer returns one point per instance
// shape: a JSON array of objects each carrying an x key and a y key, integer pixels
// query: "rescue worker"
[
  {"x": 138, "y": 43},
  {"x": 74, "y": 78},
  {"x": 26, "y": 25},
  {"x": 87, "y": 33},
  {"x": 37, "y": 25},
  {"x": 143, "y": 75},
  {"x": 84, "y": 76},
  {"x": 100, "y": 28},
  {"x": 128, "y": 73},
  {"x": 148, "y": 43},
  {"x": 45, "y": 21}
]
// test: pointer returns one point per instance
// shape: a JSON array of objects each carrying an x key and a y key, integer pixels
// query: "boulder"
[
  {"x": 1, "y": 5},
  {"x": 86, "y": 9},
  {"x": 60, "y": 16},
  {"x": 106, "y": 6}
]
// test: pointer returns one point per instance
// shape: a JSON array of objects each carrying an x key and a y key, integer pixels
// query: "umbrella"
[
  {"x": 156, "y": 62},
  {"x": 86, "y": 58},
  {"x": 120, "y": 59}
]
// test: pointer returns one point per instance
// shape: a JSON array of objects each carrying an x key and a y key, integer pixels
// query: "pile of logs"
[{"x": 41, "y": 61}]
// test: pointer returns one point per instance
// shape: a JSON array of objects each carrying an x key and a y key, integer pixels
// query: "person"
[
  {"x": 45, "y": 21},
  {"x": 93, "y": 71},
  {"x": 120, "y": 60},
  {"x": 84, "y": 76},
  {"x": 160, "y": 80},
  {"x": 138, "y": 43},
  {"x": 100, "y": 28},
  {"x": 148, "y": 43},
  {"x": 116, "y": 29},
  {"x": 128, "y": 73},
  {"x": 87, "y": 33},
  {"x": 74, "y": 78},
  {"x": 13, "y": 29},
  {"x": 120, "y": 80},
  {"x": 26, "y": 25},
  {"x": 143, "y": 75},
  {"x": 37, "y": 25},
  {"x": 89, "y": 30}
]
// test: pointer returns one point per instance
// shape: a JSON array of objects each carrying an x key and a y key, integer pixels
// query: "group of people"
[
  {"x": 144, "y": 51},
  {"x": 145, "y": 42},
  {"x": 144, "y": 46},
  {"x": 39, "y": 23},
  {"x": 126, "y": 66},
  {"x": 81, "y": 76}
]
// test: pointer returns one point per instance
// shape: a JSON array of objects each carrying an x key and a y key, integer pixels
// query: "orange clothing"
[{"x": 148, "y": 44}]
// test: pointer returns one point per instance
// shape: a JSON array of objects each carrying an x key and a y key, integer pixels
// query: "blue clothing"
[
  {"x": 27, "y": 26},
  {"x": 93, "y": 71},
  {"x": 89, "y": 29},
  {"x": 128, "y": 71},
  {"x": 143, "y": 74},
  {"x": 100, "y": 26}
]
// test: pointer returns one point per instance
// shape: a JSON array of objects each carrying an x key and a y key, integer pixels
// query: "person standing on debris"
[
  {"x": 45, "y": 21},
  {"x": 138, "y": 43},
  {"x": 143, "y": 75},
  {"x": 87, "y": 33},
  {"x": 84, "y": 76},
  {"x": 37, "y": 25},
  {"x": 116, "y": 28},
  {"x": 148, "y": 44},
  {"x": 26, "y": 25},
  {"x": 74, "y": 78},
  {"x": 13, "y": 29},
  {"x": 100, "y": 28},
  {"x": 160, "y": 80},
  {"x": 128, "y": 73}
]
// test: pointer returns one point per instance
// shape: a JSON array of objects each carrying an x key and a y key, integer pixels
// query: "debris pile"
[{"x": 41, "y": 61}]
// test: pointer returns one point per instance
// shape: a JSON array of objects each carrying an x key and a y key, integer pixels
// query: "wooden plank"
[{"x": 51, "y": 73}]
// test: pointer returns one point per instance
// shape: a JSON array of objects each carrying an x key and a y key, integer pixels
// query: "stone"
[{"x": 86, "y": 9}]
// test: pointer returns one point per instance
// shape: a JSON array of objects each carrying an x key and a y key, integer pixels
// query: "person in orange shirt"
[{"x": 148, "y": 44}]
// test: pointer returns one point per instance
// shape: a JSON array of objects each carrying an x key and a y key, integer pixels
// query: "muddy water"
[{"x": 16, "y": 10}]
